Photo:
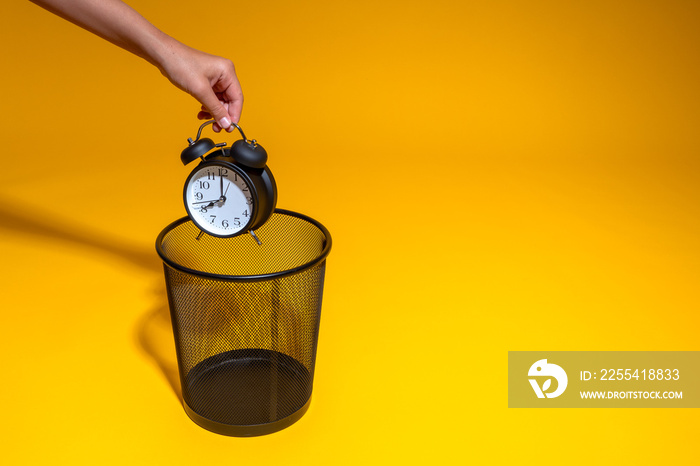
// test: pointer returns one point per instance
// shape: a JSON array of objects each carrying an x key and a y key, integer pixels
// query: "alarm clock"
[{"x": 231, "y": 191}]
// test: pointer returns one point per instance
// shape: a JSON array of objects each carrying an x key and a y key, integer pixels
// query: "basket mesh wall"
[{"x": 246, "y": 348}]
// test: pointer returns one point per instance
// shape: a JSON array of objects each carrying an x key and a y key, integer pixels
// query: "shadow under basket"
[{"x": 246, "y": 320}]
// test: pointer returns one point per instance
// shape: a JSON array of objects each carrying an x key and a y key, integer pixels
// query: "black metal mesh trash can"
[{"x": 246, "y": 320}]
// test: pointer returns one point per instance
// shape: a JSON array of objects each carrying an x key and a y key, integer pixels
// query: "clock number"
[
  {"x": 237, "y": 221},
  {"x": 203, "y": 185},
  {"x": 249, "y": 200},
  {"x": 210, "y": 176},
  {"x": 199, "y": 196},
  {"x": 203, "y": 209},
  {"x": 223, "y": 172},
  {"x": 245, "y": 213},
  {"x": 224, "y": 223},
  {"x": 213, "y": 217}
]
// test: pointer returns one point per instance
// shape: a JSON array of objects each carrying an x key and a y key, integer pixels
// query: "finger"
[
  {"x": 228, "y": 90},
  {"x": 233, "y": 97},
  {"x": 215, "y": 108},
  {"x": 216, "y": 126},
  {"x": 203, "y": 113}
]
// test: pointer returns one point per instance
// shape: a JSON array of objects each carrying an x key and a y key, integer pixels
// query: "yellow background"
[{"x": 496, "y": 176}]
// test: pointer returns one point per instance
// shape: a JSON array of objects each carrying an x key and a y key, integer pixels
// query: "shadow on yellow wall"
[{"x": 153, "y": 331}]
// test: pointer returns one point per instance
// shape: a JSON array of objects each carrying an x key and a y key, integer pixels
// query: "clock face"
[{"x": 219, "y": 200}]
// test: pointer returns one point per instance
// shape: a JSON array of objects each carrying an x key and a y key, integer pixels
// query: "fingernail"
[{"x": 225, "y": 123}]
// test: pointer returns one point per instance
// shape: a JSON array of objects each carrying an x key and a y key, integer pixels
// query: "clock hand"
[
  {"x": 205, "y": 207},
  {"x": 204, "y": 202}
]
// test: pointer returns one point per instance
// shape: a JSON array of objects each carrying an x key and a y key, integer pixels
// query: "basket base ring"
[{"x": 247, "y": 431}]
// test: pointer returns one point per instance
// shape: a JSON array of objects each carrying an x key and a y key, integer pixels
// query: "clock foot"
[{"x": 255, "y": 237}]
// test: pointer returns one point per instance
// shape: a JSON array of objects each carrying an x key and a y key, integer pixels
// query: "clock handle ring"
[{"x": 199, "y": 133}]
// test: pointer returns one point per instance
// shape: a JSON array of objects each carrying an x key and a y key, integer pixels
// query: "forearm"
[
  {"x": 116, "y": 22},
  {"x": 210, "y": 79}
]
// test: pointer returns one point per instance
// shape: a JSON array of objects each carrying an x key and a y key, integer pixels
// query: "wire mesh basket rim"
[{"x": 247, "y": 278}]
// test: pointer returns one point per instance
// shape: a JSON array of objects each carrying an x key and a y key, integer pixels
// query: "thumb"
[{"x": 217, "y": 110}]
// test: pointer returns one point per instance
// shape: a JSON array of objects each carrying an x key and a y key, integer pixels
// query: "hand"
[
  {"x": 208, "y": 203},
  {"x": 210, "y": 79},
  {"x": 204, "y": 202}
]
